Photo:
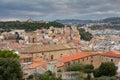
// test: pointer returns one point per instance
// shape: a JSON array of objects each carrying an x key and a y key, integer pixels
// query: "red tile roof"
[
  {"x": 38, "y": 62},
  {"x": 34, "y": 65},
  {"x": 112, "y": 54},
  {"x": 59, "y": 64},
  {"x": 75, "y": 56}
]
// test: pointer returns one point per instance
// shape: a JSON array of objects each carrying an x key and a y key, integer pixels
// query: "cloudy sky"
[{"x": 58, "y": 9}]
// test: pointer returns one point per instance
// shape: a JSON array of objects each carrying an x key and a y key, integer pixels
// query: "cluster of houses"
[
  {"x": 41, "y": 36},
  {"x": 55, "y": 49},
  {"x": 103, "y": 40}
]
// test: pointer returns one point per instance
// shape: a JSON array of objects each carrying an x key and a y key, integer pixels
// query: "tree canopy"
[
  {"x": 10, "y": 68},
  {"x": 85, "y": 35},
  {"x": 75, "y": 67},
  {"x": 88, "y": 68},
  {"x": 7, "y": 54},
  {"x": 7, "y": 26},
  {"x": 105, "y": 69},
  {"x": 48, "y": 75}
]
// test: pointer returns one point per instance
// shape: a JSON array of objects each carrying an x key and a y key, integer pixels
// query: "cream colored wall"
[
  {"x": 60, "y": 53},
  {"x": 56, "y": 54},
  {"x": 106, "y": 59}
]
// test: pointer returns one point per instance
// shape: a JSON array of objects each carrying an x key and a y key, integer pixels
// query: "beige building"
[
  {"x": 112, "y": 56},
  {"x": 49, "y": 52},
  {"x": 80, "y": 57},
  {"x": 88, "y": 58}
]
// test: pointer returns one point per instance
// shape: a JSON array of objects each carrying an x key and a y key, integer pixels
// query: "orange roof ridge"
[
  {"x": 75, "y": 56},
  {"x": 112, "y": 53}
]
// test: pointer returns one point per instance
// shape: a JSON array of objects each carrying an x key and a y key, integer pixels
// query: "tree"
[
  {"x": 105, "y": 69},
  {"x": 48, "y": 75},
  {"x": 97, "y": 73},
  {"x": 81, "y": 75},
  {"x": 85, "y": 35},
  {"x": 7, "y": 26},
  {"x": 7, "y": 54},
  {"x": 75, "y": 67},
  {"x": 10, "y": 68},
  {"x": 108, "y": 69},
  {"x": 88, "y": 68}
]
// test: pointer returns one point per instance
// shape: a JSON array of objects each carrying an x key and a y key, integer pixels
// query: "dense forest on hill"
[{"x": 7, "y": 26}]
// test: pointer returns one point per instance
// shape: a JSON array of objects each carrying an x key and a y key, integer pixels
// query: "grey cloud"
[{"x": 59, "y": 9}]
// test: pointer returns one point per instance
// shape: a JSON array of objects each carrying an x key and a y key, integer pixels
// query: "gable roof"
[
  {"x": 112, "y": 53},
  {"x": 75, "y": 56}
]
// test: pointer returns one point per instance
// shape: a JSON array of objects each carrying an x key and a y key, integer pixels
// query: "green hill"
[{"x": 7, "y": 26}]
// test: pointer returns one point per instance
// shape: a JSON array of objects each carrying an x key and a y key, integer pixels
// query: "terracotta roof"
[
  {"x": 75, "y": 56},
  {"x": 34, "y": 65},
  {"x": 59, "y": 64},
  {"x": 112, "y": 53},
  {"x": 38, "y": 62}
]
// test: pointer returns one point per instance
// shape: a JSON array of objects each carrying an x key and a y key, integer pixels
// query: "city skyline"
[{"x": 49, "y": 10}]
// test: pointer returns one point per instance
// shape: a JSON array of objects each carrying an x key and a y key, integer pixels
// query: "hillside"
[
  {"x": 113, "y": 23},
  {"x": 28, "y": 26}
]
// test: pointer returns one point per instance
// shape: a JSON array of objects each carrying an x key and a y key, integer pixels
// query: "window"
[
  {"x": 111, "y": 60},
  {"x": 61, "y": 55},
  {"x": 83, "y": 59},
  {"x": 91, "y": 56},
  {"x": 87, "y": 58},
  {"x": 52, "y": 57},
  {"x": 27, "y": 60},
  {"x": 42, "y": 53},
  {"x": 91, "y": 61},
  {"x": 33, "y": 40}
]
